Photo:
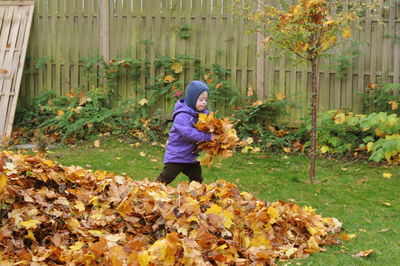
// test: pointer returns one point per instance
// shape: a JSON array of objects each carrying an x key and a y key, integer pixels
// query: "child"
[{"x": 181, "y": 151}]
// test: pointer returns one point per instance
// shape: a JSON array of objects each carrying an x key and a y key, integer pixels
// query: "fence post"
[
  {"x": 104, "y": 28},
  {"x": 260, "y": 74}
]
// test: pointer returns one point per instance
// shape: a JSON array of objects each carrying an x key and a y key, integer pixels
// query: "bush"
[
  {"x": 258, "y": 119},
  {"x": 86, "y": 113},
  {"x": 381, "y": 98}
]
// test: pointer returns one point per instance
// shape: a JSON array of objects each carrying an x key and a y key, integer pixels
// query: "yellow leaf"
[
  {"x": 77, "y": 246},
  {"x": 169, "y": 78},
  {"x": 370, "y": 145},
  {"x": 387, "y": 175},
  {"x": 250, "y": 91},
  {"x": 143, "y": 101},
  {"x": 273, "y": 214},
  {"x": 249, "y": 140},
  {"x": 346, "y": 32},
  {"x": 324, "y": 149},
  {"x": 280, "y": 96},
  {"x": 214, "y": 209},
  {"x": 312, "y": 244},
  {"x": 79, "y": 206},
  {"x": 177, "y": 67},
  {"x": 259, "y": 102},
  {"x": 73, "y": 223},
  {"x": 290, "y": 252},
  {"x": 380, "y": 133},
  {"x": 287, "y": 149},
  {"x": 312, "y": 230},
  {"x": 340, "y": 118},
  {"x": 347, "y": 237},
  {"x": 142, "y": 154},
  {"x": 95, "y": 232},
  {"x": 3, "y": 181},
  {"x": 96, "y": 143},
  {"x": 30, "y": 224},
  {"x": 144, "y": 258},
  {"x": 260, "y": 240},
  {"x": 30, "y": 235},
  {"x": 309, "y": 209},
  {"x": 394, "y": 105},
  {"x": 228, "y": 216},
  {"x": 60, "y": 112}
]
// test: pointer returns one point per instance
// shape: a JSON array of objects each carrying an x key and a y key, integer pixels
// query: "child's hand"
[{"x": 214, "y": 136}]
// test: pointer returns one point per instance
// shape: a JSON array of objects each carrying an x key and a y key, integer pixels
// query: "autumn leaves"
[{"x": 55, "y": 214}]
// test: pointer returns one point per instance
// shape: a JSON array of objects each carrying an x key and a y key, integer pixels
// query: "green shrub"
[
  {"x": 381, "y": 98},
  {"x": 257, "y": 119}
]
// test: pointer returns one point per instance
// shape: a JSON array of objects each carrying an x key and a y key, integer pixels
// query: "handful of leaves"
[{"x": 226, "y": 142}]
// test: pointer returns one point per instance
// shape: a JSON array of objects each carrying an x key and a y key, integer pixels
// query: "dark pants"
[{"x": 172, "y": 170}]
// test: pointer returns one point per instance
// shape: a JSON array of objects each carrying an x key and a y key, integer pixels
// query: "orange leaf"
[
  {"x": 169, "y": 78},
  {"x": 364, "y": 253}
]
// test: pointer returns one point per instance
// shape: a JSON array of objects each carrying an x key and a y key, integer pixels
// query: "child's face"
[{"x": 201, "y": 103}]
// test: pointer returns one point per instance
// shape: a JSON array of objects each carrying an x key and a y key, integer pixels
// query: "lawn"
[{"x": 354, "y": 192}]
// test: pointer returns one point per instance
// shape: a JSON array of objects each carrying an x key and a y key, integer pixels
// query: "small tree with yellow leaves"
[{"x": 308, "y": 29}]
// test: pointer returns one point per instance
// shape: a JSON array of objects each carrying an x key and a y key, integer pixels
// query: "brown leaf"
[{"x": 364, "y": 253}]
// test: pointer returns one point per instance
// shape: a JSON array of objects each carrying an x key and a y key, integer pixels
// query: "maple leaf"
[
  {"x": 394, "y": 105},
  {"x": 143, "y": 101},
  {"x": 346, "y": 32},
  {"x": 219, "y": 85},
  {"x": 340, "y": 118},
  {"x": 96, "y": 143},
  {"x": 169, "y": 78},
  {"x": 30, "y": 224},
  {"x": 364, "y": 253},
  {"x": 177, "y": 67},
  {"x": 3, "y": 181},
  {"x": 280, "y": 96},
  {"x": 250, "y": 91},
  {"x": 387, "y": 175}
]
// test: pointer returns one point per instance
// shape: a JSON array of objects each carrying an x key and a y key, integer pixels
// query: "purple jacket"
[{"x": 183, "y": 136}]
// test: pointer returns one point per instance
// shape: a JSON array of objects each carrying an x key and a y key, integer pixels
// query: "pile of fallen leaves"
[
  {"x": 226, "y": 142},
  {"x": 52, "y": 214}
]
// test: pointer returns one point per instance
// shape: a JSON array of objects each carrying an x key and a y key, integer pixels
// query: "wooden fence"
[{"x": 66, "y": 30}]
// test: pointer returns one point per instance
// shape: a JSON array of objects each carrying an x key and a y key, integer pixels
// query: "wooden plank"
[
  {"x": 19, "y": 62},
  {"x": 197, "y": 29},
  {"x": 104, "y": 24},
  {"x": 6, "y": 40},
  {"x": 231, "y": 42},
  {"x": 13, "y": 61},
  {"x": 367, "y": 51},
  {"x": 244, "y": 62},
  {"x": 260, "y": 62},
  {"x": 16, "y": 3},
  {"x": 57, "y": 52},
  {"x": 385, "y": 31},
  {"x": 49, "y": 20},
  {"x": 396, "y": 57}
]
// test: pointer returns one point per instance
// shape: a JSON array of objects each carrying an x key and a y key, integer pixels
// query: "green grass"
[{"x": 354, "y": 192}]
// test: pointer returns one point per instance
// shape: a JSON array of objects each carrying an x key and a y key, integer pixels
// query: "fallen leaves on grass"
[{"x": 52, "y": 214}]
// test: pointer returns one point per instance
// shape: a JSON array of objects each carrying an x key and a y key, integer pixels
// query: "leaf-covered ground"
[{"x": 53, "y": 214}]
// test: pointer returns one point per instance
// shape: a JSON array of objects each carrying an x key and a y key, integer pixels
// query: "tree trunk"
[{"x": 314, "y": 110}]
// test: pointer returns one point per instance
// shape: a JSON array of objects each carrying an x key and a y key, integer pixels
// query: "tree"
[{"x": 307, "y": 29}]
